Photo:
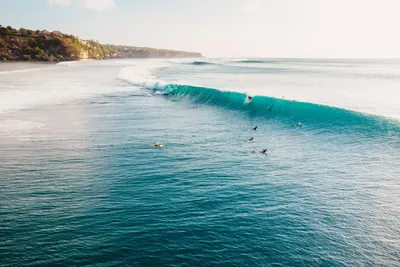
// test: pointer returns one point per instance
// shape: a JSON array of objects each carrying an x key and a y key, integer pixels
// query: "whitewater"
[{"x": 81, "y": 183}]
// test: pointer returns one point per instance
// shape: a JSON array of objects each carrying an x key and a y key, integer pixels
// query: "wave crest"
[{"x": 289, "y": 111}]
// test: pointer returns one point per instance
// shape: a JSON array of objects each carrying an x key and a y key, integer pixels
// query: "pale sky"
[{"x": 223, "y": 28}]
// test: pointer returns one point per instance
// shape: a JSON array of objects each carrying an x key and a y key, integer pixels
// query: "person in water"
[
  {"x": 264, "y": 151},
  {"x": 299, "y": 124},
  {"x": 158, "y": 144},
  {"x": 270, "y": 107},
  {"x": 255, "y": 128},
  {"x": 251, "y": 139}
]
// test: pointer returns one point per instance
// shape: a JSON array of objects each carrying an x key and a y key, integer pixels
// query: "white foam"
[
  {"x": 25, "y": 91},
  {"x": 143, "y": 75},
  {"x": 19, "y": 125},
  {"x": 24, "y": 70}
]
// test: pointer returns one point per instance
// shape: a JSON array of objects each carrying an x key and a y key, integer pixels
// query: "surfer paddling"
[
  {"x": 299, "y": 124},
  {"x": 263, "y": 151},
  {"x": 158, "y": 144}
]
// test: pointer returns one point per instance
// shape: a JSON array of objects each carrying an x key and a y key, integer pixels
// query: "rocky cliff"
[{"x": 24, "y": 44}]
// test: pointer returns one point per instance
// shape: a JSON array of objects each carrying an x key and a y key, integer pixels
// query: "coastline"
[{"x": 28, "y": 45}]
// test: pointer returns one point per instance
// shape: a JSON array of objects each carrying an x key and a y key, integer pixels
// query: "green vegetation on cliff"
[{"x": 24, "y": 44}]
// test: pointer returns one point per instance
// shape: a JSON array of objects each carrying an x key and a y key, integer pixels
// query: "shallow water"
[
  {"x": 81, "y": 185},
  {"x": 23, "y": 66}
]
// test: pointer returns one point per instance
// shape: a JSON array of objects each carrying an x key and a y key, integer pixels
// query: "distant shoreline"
[{"x": 42, "y": 45}]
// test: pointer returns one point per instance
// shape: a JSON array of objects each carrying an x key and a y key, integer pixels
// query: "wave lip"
[
  {"x": 288, "y": 111},
  {"x": 252, "y": 61},
  {"x": 200, "y": 63},
  {"x": 144, "y": 76}
]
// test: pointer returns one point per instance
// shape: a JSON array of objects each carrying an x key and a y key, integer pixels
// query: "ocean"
[{"x": 82, "y": 185}]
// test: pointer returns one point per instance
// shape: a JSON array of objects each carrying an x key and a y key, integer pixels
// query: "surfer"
[
  {"x": 251, "y": 139},
  {"x": 158, "y": 144},
  {"x": 264, "y": 151},
  {"x": 248, "y": 99},
  {"x": 299, "y": 124},
  {"x": 255, "y": 128}
]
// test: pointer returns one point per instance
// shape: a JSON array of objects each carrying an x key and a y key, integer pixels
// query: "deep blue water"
[{"x": 80, "y": 183}]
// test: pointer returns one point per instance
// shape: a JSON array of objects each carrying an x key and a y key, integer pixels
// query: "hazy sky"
[{"x": 223, "y": 28}]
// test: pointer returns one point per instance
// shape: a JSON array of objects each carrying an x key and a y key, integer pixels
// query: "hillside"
[{"x": 29, "y": 45}]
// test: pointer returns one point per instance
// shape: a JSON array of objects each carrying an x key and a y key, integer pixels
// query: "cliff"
[{"x": 24, "y": 44}]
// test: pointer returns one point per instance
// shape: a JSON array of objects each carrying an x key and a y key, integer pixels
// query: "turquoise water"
[{"x": 81, "y": 185}]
